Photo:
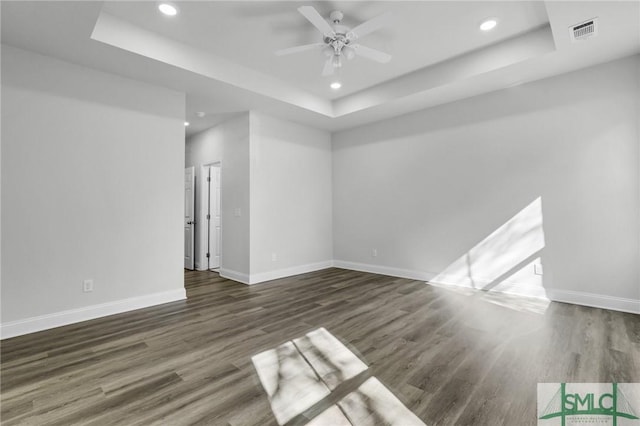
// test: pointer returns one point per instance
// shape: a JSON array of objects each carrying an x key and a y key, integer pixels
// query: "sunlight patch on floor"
[
  {"x": 290, "y": 382},
  {"x": 515, "y": 302},
  {"x": 332, "y": 416},
  {"x": 329, "y": 358},
  {"x": 299, "y": 376},
  {"x": 374, "y": 404}
]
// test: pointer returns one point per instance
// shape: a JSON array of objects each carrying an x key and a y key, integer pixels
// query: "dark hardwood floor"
[{"x": 451, "y": 357}]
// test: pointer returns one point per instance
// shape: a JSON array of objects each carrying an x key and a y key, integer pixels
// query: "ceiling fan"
[{"x": 338, "y": 41}]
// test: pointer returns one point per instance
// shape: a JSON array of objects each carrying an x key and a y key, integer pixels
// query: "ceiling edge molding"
[
  {"x": 126, "y": 36},
  {"x": 500, "y": 55}
]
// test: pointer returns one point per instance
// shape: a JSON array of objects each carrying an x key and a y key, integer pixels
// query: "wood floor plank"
[{"x": 450, "y": 356}]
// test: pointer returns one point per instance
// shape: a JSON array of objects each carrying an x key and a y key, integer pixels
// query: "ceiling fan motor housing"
[
  {"x": 339, "y": 39},
  {"x": 336, "y": 16}
]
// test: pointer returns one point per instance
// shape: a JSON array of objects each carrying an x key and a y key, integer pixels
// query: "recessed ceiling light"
[
  {"x": 488, "y": 24},
  {"x": 336, "y": 85},
  {"x": 186, "y": 123},
  {"x": 168, "y": 9}
]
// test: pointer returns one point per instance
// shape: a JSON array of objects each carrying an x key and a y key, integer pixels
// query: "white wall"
[
  {"x": 210, "y": 146},
  {"x": 207, "y": 146},
  {"x": 473, "y": 193},
  {"x": 433, "y": 190},
  {"x": 278, "y": 174},
  {"x": 92, "y": 175},
  {"x": 291, "y": 206}
]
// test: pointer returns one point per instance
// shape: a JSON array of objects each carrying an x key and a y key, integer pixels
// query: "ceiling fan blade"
[
  {"x": 370, "y": 26},
  {"x": 318, "y": 21},
  {"x": 328, "y": 67},
  {"x": 372, "y": 54},
  {"x": 297, "y": 49}
]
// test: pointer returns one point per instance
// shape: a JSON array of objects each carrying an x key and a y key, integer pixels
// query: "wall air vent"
[{"x": 584, "y": 30}]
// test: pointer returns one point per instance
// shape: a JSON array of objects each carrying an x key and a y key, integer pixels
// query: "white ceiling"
[
  {"x": 221, "y": 53},
  {"x": 422, "y": 34}
]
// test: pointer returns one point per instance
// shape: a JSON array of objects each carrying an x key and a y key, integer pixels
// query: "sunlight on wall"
[
  {"x": 300, "y": 375},
  {"x": 504, "y": 261}
]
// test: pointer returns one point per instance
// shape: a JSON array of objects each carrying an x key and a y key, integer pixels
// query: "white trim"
[
  {"x": 594, "y": 300},
  {"x": 574, "y": 297},
  {"x": 515, "y": 288},
  {"x": 234, "y": 275},
  {"x": 384, "y": 270},
  {"x": 71, "y": 316},
  {"x": 287, "y": 272},
  {"x": 58, "y": 319}
]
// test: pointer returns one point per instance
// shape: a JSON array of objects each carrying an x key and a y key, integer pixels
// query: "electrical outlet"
[
  {"x": 274, "y": 257},
  {"x": 374, "y": 252},
  {"x": 537, "y": 269},
  {"x": 87, "y": 286},
  {"x": 237, "y": 212}
]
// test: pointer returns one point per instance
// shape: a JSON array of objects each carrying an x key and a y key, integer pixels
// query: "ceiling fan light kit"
[{"x": 339, "y": 40}]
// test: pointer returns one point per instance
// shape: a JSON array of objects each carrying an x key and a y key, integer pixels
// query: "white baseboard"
[
  {"x": 514, "y": 288},
  {"x": 594, "y": 300},
  {"x": 58, "y": 319},
  {"x": 574, "y": 297},
  {"x": 287, "y": 272},
  {"x": 234, "y": 275},
  {"x": 384, "y": 270}
]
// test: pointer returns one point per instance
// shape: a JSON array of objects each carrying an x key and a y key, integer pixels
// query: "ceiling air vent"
[{"x": 584, "y": 30}]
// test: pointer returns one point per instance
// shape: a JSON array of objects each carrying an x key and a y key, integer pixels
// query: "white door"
[
  {"x": 215, "y": 228},
  {"x": 189, "y": 216}
]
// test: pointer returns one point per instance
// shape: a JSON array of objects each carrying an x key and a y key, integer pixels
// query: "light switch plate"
[
  {"x": 537, "y": 269},
  {"x": 87, "y": 286}
]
